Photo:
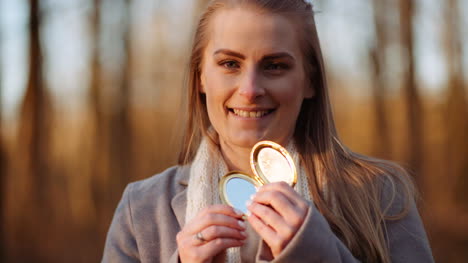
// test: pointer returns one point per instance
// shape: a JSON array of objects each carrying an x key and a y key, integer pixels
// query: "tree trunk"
[
  {"x": 97, "y": 160},
  {"x": 411, "y": 95},
  {"x": 382, "y": 146},
  {"x": 95, "y": 91},
  {"x": 456, "y": 109},
  {"x": 120, "y": 126},
  {"x": 2, "y": 166},
  {"x": 33, "y": 128},
  {"x": 32, "y": 142}
]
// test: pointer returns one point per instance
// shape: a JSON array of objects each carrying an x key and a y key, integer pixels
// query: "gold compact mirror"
[
  {"x": 236, "y": 188},
  {"x": 269, "y": 162}
]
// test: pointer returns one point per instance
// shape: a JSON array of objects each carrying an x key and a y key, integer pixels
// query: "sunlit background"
[{"x": 91, "y": 95}]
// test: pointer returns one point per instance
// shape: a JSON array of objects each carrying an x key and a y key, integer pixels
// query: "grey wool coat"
[{"x": 152, "y": 211}]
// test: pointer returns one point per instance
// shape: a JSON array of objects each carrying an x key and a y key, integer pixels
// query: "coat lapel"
[{"x": 179, "y": 201}]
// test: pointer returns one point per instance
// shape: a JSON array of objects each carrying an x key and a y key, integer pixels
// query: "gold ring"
[{"x": 200, "y": 237}]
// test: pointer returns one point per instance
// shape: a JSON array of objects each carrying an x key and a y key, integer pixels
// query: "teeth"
[{"x": 250, "y": 114}]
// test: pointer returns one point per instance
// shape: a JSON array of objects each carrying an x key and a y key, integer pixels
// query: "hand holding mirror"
[{"x": 270, "y": 163}]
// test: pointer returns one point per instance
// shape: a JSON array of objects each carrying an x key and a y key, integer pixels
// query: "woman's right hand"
[{"x": 213, "y": 230}]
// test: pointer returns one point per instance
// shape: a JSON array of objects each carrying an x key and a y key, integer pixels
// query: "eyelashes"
[
  {"x": 277, "y": 66},
  {"x": 229, "y": 64},
  {"x": 271, "y": 67}
]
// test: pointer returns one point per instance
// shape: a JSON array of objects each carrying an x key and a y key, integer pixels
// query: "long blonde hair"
[{"x": 356, "y": 206}]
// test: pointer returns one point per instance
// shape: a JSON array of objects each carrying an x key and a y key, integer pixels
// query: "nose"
[{"x": 250, "y": 87}]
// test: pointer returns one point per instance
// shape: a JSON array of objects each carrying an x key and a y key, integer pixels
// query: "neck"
[{"x": 236, "y": 158}]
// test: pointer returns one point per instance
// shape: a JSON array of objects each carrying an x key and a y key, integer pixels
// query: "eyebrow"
[
  {"x": 278, "y": 56},
  {"x": 239, "y": 55},
  {"x": 229, "y": 53}
]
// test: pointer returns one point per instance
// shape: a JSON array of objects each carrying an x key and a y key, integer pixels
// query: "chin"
[
  {"x": 246, "y": 141},
  {"x": 249, "y": 140}
]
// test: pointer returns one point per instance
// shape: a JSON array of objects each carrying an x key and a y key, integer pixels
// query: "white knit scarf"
[{"x": 205, "y": 173}]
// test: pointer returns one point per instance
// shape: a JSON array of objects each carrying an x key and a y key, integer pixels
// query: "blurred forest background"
[{"x": 91, "y": 99}]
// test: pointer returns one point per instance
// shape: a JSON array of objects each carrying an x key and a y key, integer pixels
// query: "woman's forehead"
[{"x": 249, "y": 31}]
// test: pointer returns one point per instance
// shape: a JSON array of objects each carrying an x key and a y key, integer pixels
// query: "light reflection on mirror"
[
  {"x": 275, "y": 166},
  {"x": 238, "y": 191}
]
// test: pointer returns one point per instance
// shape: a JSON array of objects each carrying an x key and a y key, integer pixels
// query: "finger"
[
  {"x": 288, "y": 191},
  {"x": 272, "y": 219},
  {"x": 275, "y": 242},
  {"x": 214, "y": 232},
  {"x": 205, "y": 251},
  {"x": 206, "y": 220},
  {"x": 223, "y": 209},
  {"x": 214, "y": 247},
  {"x": 292, "y": 214}
]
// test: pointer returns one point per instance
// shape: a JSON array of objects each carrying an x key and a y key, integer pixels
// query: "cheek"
[
  {"x": 218, "y": 87},
  {"x": 290, "y": 91},
  {"x": 214, "y": 90},
  {"x": 216, "y": 96}
]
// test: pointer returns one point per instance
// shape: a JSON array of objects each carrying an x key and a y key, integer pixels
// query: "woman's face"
[{"x": 253, "y": 77}]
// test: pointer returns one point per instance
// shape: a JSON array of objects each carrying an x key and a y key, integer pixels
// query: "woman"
[{"x": 256, "y": 73}]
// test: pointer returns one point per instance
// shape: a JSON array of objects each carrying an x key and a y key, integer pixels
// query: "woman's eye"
[
  {"x": 230, "y": 64},
  {"x": 276, "y": 67}
]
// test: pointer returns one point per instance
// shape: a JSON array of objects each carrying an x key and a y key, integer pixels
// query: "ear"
[{"x": 202, "y": 83}]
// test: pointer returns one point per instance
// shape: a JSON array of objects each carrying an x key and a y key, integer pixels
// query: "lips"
[{"x": 250, "y": 113}]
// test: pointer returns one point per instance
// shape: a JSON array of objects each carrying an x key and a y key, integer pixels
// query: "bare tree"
[
  {"x": 410, "y": 88},
  {"x": 33, "y": 139},
  {"x": 2, "y": 166},
  {"x": 456, "y": 109},
  {"x": 120, "y": 126},
  {"x": 33, "y": 128},
  {"x": 377, "y": 54},
  {"x": 95, "y": 92},
  {"x": 97, "y": 154}
]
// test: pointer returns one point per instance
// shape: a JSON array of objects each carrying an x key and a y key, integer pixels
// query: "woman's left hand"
[{"x": 277, "y": 213}]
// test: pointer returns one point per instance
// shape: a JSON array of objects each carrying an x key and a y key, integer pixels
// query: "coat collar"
[{"x": 179, "y": 201}]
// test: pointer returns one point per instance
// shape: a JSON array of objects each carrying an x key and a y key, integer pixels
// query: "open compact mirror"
[
  {"x": 269, "y": 162},
  {"x": 236, "y": 188}
]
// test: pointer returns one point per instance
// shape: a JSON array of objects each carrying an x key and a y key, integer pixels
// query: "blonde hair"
[{"x": 356, "y": 206}]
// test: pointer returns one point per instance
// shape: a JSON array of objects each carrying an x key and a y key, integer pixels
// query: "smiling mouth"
[{"x": 250, "y": 113}]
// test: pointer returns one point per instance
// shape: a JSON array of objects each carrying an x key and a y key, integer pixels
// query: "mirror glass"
[
  {"x": 274, "y": 166},
  {"x": 237, "y": 191}
]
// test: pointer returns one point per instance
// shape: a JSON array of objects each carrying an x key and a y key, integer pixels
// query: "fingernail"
[
  {"x": 248, "y": 213},
  {"x": 238, "y": 212},
  {"x": 248, "y": 202},
  {"x": 252, "y": 197},
  {"x": 243, "y": 233},
  {"x": 241, "y": 223}
]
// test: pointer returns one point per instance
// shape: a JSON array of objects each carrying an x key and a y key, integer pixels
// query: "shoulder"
[
  {"x": 389, "y": 183},
  {"x": 170, "y": 181},
  {"x": 171, "y": 177},
  {"x": 396, "y": 189},
  {"x": 135, "y": 229},
  {"x": 404, "y": 230},
  {"x": 159, "y": 187},
  {"x": 159, "y": 198}
]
